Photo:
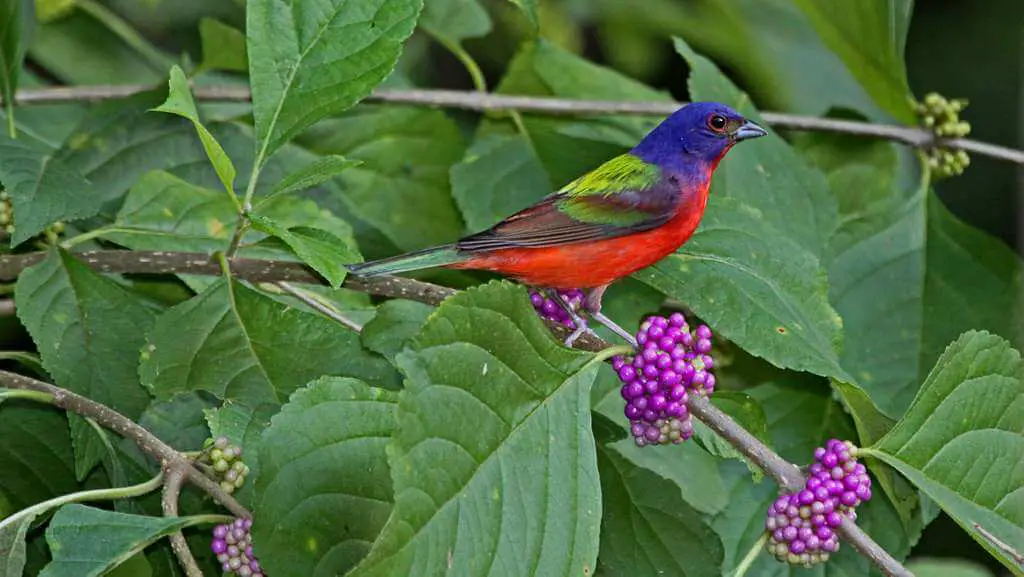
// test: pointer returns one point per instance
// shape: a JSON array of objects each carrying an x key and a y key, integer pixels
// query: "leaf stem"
[
  {"x": 748, "y": 561},
  {"x": 36, "y": 396},
  {"x": 108, "y": 494},
  {"x": 12, "y": 130}
]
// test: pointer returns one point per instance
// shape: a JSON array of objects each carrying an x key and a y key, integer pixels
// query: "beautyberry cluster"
[
  {"x": 942, "y": 116},
  {"x": 50, "y": 234},
  {"x": 226, "y": 460},
  {"x": 232, "y": 544},
  {"x": 672, "y": 364},
  {"x": 801, "y": 526},
  {"x": 550, "y": 310}
]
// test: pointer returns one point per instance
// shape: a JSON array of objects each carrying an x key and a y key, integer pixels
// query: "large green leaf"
[
  {"x": 961, "y": 440},
  {"x": 239, "y": 344},
  {"x": 870, "y": 38},
  {"x": 324, "y": 488},
  {"x": 755, "y": 287},
  {"x": 494, "y": 397},
  {"x": 12, "y": 547},
  {"x": 646, "y": 527},
  {"x": 87, "y": 542},
  {"x": 323, "y": 251},
  {"x": 89, "y": 330},
  {"x": 36, "y": 460},
  {"x": 766, "y": 174},
  {"x": 43, "y": 189},
  {"x": 498, "y": 176},
  {"x": 223, "y": 46},
  {"x": 17, "y": 18},
  {"x": 309, "y": 59},
  {"x": 396, "y": 323},
  {"x": 402, "y": 186},
  {"x": 947, "y": 567}
]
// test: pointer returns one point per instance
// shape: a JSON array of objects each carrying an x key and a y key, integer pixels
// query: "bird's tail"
[{"x": 426, "y": 258}]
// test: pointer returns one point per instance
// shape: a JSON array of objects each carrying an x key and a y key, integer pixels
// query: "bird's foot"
[
  {"x": 581, "y": 329},
  {"x": 615, "y": 328}
]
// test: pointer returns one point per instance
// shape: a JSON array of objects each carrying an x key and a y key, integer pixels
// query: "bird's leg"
[
  {"x": 577, "y": 320},
  {"x": 593, "y": 306}
]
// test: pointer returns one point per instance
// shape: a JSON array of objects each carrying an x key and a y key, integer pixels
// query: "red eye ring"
[{"x": 717, "y": 122}]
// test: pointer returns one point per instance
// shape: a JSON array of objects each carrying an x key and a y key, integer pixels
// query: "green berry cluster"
[
  {"x": 942, "y": 117},
  {"x": 51, "y": 234},
  {"x": 226, "y": 462}
]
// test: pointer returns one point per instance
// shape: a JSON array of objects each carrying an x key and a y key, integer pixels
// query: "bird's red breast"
[{"x": 596, "y": 263}]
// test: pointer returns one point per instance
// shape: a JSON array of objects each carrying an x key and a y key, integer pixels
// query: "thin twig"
[
  {"x": 7, "y": 308},
  {"x": 788, "y": 476},
  {"x": 324, "y": 308},
  {"x": 174, "y": 477},
  {"x": 1005, "y": 548},
  {"x": 111, "y": 419},
  {"x": 483, "y": 102}
]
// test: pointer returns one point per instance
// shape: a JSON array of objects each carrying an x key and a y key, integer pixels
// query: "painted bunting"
[{"x": 626, "y": 214}]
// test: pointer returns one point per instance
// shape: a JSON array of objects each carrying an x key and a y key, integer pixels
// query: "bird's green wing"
[{"x": 622, "y": 196}]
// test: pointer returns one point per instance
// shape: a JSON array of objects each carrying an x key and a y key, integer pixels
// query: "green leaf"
[
  {"x": 766, "y": 174},
  {"x": 180, "y": 421},
  {"x": 223, "y": 46},
  {"x": 393, "y": 327},
  {"x": 531, "y": 9},
  {"x": 36, "y": 460},
  {"x": 179, "y": 101},
  {"x": 961, "y": 443},
  {"x": 498, "y": 176},
  {"x": 243, "y": 426},
  {"x": 455, "y": 20},
  {"x": 17, "y": 18},
  {"x": 646, "y": 527},
  {"x": 870, "y": 38},
  {"x": 326, "y": 253},
  {"x": 319, "y": 171},
  {"x": 310, "y": 59},
  {"x": 747, "y": 413},
  {"x": 12, "y": 547},
  {"x": 402, "y": 186},
  {"x": 88, "y": 330},
  {"x": 239, "y": 344},
  {"x": 946, "y": 567},
  {"x": 87, "y": 542},
  {"x": 324, "y": 483},
  {"x": 43, "y": 190},
  {"x": 767, "y": 296},
  {"x": 523, "y": 475}
]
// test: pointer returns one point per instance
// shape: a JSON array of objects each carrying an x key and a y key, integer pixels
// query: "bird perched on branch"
[{"x": 626, "y": 214}]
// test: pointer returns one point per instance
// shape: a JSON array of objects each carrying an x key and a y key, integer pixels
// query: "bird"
[{"x": 625, "y": 215}]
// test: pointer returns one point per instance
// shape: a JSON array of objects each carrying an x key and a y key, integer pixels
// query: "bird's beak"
[{"x": 749, "y": 130}]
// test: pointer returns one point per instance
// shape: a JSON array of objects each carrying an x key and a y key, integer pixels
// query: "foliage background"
[{"x": 957, "y": 48}]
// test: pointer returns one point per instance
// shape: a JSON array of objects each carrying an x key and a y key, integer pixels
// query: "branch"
[
  {"x": 166, "y": 455},
  {"x": 174, "y": 477},
  {"x": 484, "y": 102},
  {"x": 788, "y": 476}
]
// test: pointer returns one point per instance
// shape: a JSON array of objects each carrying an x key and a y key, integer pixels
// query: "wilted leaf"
[
  {"x": 309, "y": 59},
  {"x": 498, "y": 176},
  {"x": 755, "y": 287},
  {"x": 492, "y": 395},
  {"x": 179, "y": 101},
  {"x": 89, "y": 330},
  {"x": 43, "y": 190},
  {"x": 87, "y": 542},
  {"x": 223, "y": 46},
  {"x": 239, "y": 344},
  {"x": 326, "y": 253},
  {"x": 961, "y": 442},
  {"x": 646, "y": 527},
  {"x": 324, "y": 485}
]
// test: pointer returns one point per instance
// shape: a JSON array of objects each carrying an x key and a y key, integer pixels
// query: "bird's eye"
[{"x": 717, "y": 122}]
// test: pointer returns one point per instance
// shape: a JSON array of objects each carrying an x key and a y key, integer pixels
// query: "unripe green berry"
[
  {"x": 227, "y": 487},
  {"x": 239, "y": 482},
  {"x": 216, "y": 455},
  {"x": 221, "y": 465},
  {"x": 238, "y": 466}
]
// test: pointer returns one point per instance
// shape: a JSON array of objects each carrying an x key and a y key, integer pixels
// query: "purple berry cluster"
[
  {"x": 671, "y": 364},
  {"x": 801, "y": 526},
  {"x": 548, "y": 309},
  {"x": 232, "y": 544}
]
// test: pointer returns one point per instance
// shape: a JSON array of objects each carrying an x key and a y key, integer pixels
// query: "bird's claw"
[{"x": 581, "y": 329}]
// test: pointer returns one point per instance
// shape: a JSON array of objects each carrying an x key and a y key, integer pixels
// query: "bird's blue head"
[{"x": 696, "y": 136}]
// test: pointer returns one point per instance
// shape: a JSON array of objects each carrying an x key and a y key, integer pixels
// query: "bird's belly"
[{"x": 583, "y": 265}]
